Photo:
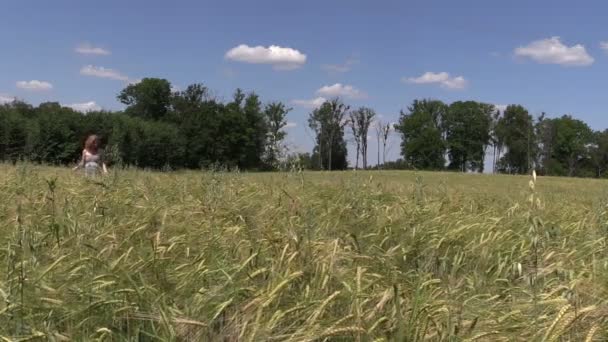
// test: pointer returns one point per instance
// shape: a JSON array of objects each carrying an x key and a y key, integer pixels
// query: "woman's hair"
[{"x": 92, "y": 143}]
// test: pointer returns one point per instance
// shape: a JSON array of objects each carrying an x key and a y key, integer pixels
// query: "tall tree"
[
  {"x": 545, "y": 134},
  {"x": 386, "y": 131},
  {"x": 566, "y": 144},
  {"x": 276, "y": 113},
  {"x": 148, "y": 99},
  {"x": 356, "y": 136},
  {"x": 515, "y": 130},
  {"x": 599, "y": 153},
  {"x": 495, "y": 140},
  {"x": 187, "y": 102},
  {"x": 467, "y": 132},
  {"x": 422, "y": 144},
  {"x": 328, "y": 122},
  {"x": 256, "y": 131},
  {"x": 361, "y": 120}
]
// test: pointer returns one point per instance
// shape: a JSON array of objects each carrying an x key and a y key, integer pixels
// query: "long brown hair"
[{"x": 92, "y": 144}]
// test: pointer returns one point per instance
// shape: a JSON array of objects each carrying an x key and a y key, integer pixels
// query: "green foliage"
[
  {"x": 148, "y": 99},
  {"x": 515, "y": 132},
  {"x": 158, "y": 130},
  {"x": 328, "y": 122},
  {"x": 360, "y": 122},
  {"x": 275, "y": 113},
  {"x": 467, "y": 131},
  {"x": 566, "y": 145},
  {"x": 422, "y": 143}
]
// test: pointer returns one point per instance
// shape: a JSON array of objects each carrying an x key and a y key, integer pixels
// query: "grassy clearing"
[{"x": 354, "y": 256}]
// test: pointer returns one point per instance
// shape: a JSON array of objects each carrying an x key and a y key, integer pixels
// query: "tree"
[
  {"x": 13, "y": 133},
  {"x": 360, "y": 121},
  {"x": 356, "y": 135},
  {"x": 467, "y": 134},
  {"x": 256, "y": 131},
  {"x": 515, "y": 131},
  {"x": 598, "y": 152},
  {"x": 276, "y": 114},
  {"x": 545, "y": 133},
  {"x": 422, "y": 144},
  {"x": 328, "y": 122},
  {"x": 566, "y": 142},
  {"x": 187, "y": 102},
  {"x": 60, "y": 133},
  {"x": 495, "y": 140},
  {"x": 149, "y": 99},
  {"x": 386, "y": 130}
]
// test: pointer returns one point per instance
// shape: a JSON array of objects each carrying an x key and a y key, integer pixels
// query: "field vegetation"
[{"x": 341, "y": 256}]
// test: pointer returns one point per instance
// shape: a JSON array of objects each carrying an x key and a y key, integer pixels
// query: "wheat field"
[{"x": 351, "y": 256}]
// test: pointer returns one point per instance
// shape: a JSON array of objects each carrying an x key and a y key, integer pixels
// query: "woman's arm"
[
  {"x": 102, "y": 158},
  {"x": 80, "y": 163}
]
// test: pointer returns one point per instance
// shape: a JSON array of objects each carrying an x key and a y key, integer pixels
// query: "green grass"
[{"x": 353, "y": 256}]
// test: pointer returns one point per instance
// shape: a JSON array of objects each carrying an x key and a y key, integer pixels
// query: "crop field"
[{"x": 344, "y": 256}]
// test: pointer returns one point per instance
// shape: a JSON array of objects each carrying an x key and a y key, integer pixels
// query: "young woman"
[{"x": 91, "y": 159}]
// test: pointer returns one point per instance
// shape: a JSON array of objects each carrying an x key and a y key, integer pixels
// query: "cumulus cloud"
[
  {"x": 441, "y": 78},
  {"x": 6, "y": 98},
  {"x": 290, "y": 125},
  {"x": 342, "y": 90},
  {"x": 312, "y": 103},
  {"x": 281, "y": 58},
  {"x": 553, "y": 51},
  {"x": 95, "y": 71},
  {"x": 604, "y": 46},
  {"x": 88, "y": 49},
  {"x": 85, "y": 106},
  {"x": 340, "y": 68},
  {"x": 34, "y": 85},
  {"x": 501, "y": 107}
]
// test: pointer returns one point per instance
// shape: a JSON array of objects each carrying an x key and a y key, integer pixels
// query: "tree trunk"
[
  {"x": 364, "y": 150},
  {"x": 384, "y": 152},
  {"x": 494, "y": 159},
  {"x": 321, "y": 152},
  {"x": 378, "y": 162},
  {"x": 330, "y": 147},
  {"x": 357, "y": 160}
]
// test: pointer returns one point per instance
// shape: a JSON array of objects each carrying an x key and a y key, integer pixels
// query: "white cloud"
[
  {"x": 501, "y": 107},
  {"x": 282, "y": 58},
  {"x": 340, "y": 68},
  {"x": 604, "y": 46},
  {"x": 552, "y": 51},
  {"x": 441, "y": 78},
  {"x": 6, "y": 98},
  {"x": 91, "y": 70},
  {"x": 290, "y": 125},
  {"x": 85, "y": 106},
  {"x": 455, "y": 83},
  {"x": 340, "y": 89},
  {"x": 34, "y": 85},
  {"x": 88, "y": 49},
  {"x": 312, "y": 103}
]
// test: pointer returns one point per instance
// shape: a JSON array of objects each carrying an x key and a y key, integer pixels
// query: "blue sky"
[{"x": 545, "y": 55}]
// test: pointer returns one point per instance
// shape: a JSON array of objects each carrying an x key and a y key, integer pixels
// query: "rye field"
[{"x": 344, "y": 256}]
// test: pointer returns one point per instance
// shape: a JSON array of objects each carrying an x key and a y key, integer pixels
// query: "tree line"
[
  {"x": 437, "y": 136},
  {"x": 161, "y": 128}
]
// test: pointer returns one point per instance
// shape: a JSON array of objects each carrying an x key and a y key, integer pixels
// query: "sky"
[{"x": 549, "y": 56}]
